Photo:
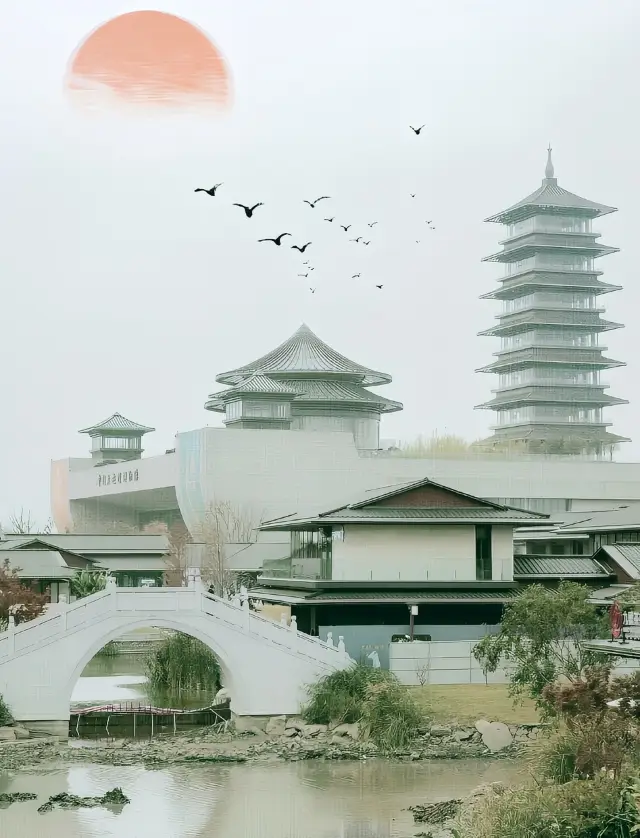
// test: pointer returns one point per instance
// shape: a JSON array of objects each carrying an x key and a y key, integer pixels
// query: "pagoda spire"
[{"x": 549, "y": 173}]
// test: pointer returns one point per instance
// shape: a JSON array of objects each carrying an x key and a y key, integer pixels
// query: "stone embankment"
[{"x": 283, "y": 739}]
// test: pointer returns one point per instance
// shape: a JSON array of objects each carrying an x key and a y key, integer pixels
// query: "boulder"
[
  {"x": 276, "y": 726},
  {"x": 295, "y": 724},
  {"x": 352, "y": 731},
  {"x": 7, "y": 734},
  {"x": 463, "y": 735},
  {"x": 291, "y": 731},
  {"x": 481, "y": 725},
  {"x": 437, "y": 731},
  {"x": 497, "y": 736},
  {"x": 313, "y": 730},
  {"x": 21, "y": 732}
]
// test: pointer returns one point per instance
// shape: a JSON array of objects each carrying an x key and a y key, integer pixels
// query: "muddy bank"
[{"x": 286, "y": 740}]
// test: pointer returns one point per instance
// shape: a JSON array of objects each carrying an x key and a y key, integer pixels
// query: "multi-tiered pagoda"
[
  {"x": 550, "y": 396},
  {"x": 304, "y": 384}
]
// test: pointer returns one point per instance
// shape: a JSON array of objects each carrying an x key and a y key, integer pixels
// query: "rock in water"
[{"x": 436, "y": 812}]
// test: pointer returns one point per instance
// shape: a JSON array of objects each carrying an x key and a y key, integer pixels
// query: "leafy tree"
[
  {"x": 86, "y": 582},
  {"x": 17, "y": 600},
  {"x": 541, "y": 636}
]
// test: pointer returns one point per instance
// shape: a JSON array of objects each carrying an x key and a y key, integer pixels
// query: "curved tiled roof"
[
  {"x": 117, "y": 422},
  {"x": 305, "y": 354},
  {"x": 306, "y": 390},
  {"x": 553, "y": 197}
]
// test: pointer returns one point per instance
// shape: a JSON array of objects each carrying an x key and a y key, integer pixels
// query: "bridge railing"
[{"x": 281, "y": 633}]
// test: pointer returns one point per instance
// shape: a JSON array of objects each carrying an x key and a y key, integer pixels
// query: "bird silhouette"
[
  {"x": 305, "y": 275},
  {"x": 310, "y": 268},
  {"x": 417, "y": 241},
  {"x": 307, "y": 262},
  {"x": 313, "y": 290},
  {"x": 345, "y": 228},
  {"x": 211, "y": 191},
  {"x": 369, "y": 242},
  {"x": 431, "y": 228},
  {"x": 355, "y": 276},
  {"x": 312, "y": 204},
  {"x": 372, "y": 224},
  {"x": 430, "y": 222},
  {"x": 248, "y": 211},
  {"x": 416, "y": 130},
  {"x": 413, "y": 194},
  {"x": 379, "y": 286},
  {"x": 329, "y": 219},
  {"x": 355, "y": 240},
  {"x": 277, "y": 240},
  {"x": 301, "y": 249}
]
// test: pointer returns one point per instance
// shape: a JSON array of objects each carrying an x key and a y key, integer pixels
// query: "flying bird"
[
  {"x": 355, "y": 276},
  {"x": 430, "y": 222},
  {"x": 301, "y": 249},
  {"x": 417, "y": 241},
  {"x": 345, "y": 228},
  {"x": 369, "y": 242},
  {"x": 211, "y": 191},
  {"x": 431, "y": 228},
  {"x": 413, "y": 194},
  {"x": 310, "y": 268},
  {"x": 305, "y": 275},
  {"x": 277, "y": 241},
  {"x": 313, "y": 290},
  {"x": 329, "y": 219},
  {"x": 355, "y": 240},
  {"x": 372, "y": 224},
  {"x": 416, "y": 130},
  {"x": 248, "y": 211},
  {"x": 307, "y": 262},
  {"x": 312, "y": 204},
  {"x": 378, "y": 286}
]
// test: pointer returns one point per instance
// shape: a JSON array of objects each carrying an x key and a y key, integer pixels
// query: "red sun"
[{"x": 150, "y": 58}]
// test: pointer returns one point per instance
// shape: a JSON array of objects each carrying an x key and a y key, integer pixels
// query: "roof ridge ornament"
[{"x": 549, "y": 172}]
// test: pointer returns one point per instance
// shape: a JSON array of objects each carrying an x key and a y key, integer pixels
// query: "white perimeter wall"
[
  {"x": 452, "y": 662},
  {"x": 416, "y": 552}
]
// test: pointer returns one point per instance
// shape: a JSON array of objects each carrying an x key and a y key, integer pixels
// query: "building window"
[{"x": 483, "y": 552}]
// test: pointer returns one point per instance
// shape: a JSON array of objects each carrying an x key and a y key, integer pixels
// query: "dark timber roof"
[
  {"x": 117, "y": 422},
  {"x": 557, "y": 567},
  {"x": 305, "y": 355},
  {"x": 363, "y": 597}
]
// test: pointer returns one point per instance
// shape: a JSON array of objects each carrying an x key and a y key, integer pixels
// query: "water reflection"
[
  {"x": 110, "y": 679},
  {"x": 293, "y": 800}
]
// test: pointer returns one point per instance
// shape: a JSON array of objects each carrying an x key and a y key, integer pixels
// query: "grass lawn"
[{"x": 468, "y": 702}]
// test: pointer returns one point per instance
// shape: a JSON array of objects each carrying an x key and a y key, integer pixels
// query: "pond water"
[
  {"x": 283, "y": 800},
  {"x": 110, "y": 679}
]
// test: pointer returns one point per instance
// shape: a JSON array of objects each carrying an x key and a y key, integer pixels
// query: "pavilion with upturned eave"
[{"x": 304, "y": 384}]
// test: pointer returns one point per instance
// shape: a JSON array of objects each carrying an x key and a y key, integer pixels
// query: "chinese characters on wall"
[{"x": 118, "y": 477}]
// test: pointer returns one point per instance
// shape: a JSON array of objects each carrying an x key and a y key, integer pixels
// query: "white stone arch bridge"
[{"x": 266, "y": 666}]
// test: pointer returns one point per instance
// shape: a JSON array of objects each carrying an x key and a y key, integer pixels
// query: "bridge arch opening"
[{"x": 228, "y": 671}]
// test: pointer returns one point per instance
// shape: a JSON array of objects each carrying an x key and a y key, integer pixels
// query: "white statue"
[{"x": 375, "y": 659}]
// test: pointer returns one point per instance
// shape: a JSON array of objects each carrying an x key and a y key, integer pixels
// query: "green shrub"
[
  {"x": 87, "y": 582},
  {"x": 182, "y": 663},
  {"x": 601, "y": 808},
  {"x": 372, "y": 697},
  {"x": 109, "y": 650},
  {"x": 5, "y": 714}
]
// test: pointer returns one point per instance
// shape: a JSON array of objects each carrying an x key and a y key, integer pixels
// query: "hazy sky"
[{"x": 124, "y": 291}]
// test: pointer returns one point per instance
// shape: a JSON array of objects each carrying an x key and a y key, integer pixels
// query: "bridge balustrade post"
[
  {"x": 330, "y": 639},
  {"x": 63, "y": 605},
  {"x": 11, "y": 631},
  {"x": 112, "y": 588}
]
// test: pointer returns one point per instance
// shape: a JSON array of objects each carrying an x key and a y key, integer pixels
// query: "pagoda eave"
[
  {"x": 506, "y": 329},
  {"x": 517, "y": 253}
]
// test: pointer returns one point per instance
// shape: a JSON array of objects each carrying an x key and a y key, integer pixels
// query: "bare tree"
[
  {"x": 22, "y": 523},
  {"x": 223, "y": 523}
]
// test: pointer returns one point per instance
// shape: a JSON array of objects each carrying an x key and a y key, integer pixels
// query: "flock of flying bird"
[{"x": 301, "y": 248}]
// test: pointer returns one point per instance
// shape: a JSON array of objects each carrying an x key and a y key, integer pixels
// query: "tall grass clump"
[
  {"x": 601, "y": 808},
  {"x": 182, "y": 663},
  {"x": 5, "y": 714},
  {"x": 372, "y": 697}
]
